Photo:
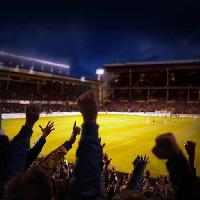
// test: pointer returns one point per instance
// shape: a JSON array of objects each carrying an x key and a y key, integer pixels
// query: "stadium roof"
[
  {"x": 154, "y": 65},
  {"x": 34, "y": 60},
  {"x": 43, "y": 75}
]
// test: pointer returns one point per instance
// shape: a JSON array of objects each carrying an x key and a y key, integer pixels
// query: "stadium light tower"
[{"x": 99, "y": 73}]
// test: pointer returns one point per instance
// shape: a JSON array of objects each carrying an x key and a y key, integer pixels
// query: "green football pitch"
[{"x": 126, "y": 136}]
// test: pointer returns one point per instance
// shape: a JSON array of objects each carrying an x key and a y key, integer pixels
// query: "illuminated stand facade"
[
  {"x": 153, "y": 81},
  {"x": 33, "y": 64}
]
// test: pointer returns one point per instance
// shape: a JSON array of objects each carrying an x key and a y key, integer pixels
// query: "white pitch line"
[{"x": 116, "y": 146}]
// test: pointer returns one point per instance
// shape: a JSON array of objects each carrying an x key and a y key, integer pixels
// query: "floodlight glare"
[
  {"x": 34, "y": 60},
  {"x": 83, "y": 78},
  {"x": 100, "y": 71}
]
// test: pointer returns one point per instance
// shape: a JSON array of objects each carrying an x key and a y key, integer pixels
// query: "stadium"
[{"x": 138, "y": 102}]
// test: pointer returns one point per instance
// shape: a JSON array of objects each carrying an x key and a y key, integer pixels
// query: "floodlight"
[
  {"x": 100, "y": 71},
  {"x": 31, "y": 70},
  {"x": 83, "y": 78}
]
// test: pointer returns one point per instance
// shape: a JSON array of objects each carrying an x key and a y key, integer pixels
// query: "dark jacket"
[
  {"x": 87, "y": 174},
  {"x": 35, "y": 151},
  {"x": 19, "y": 150},
  {"x": 185, "y": 183},
  {"x": 4, "y": 148},
  {"x": 17, "y": 154}
]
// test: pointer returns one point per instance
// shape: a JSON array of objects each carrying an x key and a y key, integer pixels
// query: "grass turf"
[{"x": 125, "y": 137}]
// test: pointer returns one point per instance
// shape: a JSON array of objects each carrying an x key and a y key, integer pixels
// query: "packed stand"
[
  {"x": 175, "y": 108},
  {"x": 46, "y": 108},
  {"x": 24, "y": 175},
  {"x": 41, "y": 91}
]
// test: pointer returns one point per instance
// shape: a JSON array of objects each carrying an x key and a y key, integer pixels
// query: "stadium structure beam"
[{"x": 34, "y": 60}]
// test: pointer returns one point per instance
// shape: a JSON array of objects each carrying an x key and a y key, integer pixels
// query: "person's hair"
[{"x": 34, "y": 184}]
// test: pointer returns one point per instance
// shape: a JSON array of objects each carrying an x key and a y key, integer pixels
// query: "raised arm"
[
  {"x": 37, "y": 148},
  {"x": 190, "y": 149},
  {"x": 20, "y": 145},
  {"x": 137, "y": 178},
  {"x": 50, "y": 161},
  {"x": 87, "y": 172},
  {"x": 185, "y": 183}
]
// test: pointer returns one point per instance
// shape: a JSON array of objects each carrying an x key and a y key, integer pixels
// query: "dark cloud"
[{"x": 87, "y": 34}]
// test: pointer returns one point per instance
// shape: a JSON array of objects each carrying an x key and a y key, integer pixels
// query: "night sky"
[{"x": 87, "y": 34}]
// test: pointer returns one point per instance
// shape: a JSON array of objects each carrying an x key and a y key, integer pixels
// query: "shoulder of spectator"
[
  {"x": 177, "y": 161},
  {"x": 23, "y": 135},
  {"x": 53, "y": 158},
  {"x": 4, "y": 138}
]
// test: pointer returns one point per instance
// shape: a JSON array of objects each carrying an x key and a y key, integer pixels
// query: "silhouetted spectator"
[
  {"x": 87, "y": 174},
  {"x": 34, "y": 184},
  {"x": 19, "y": 147},
  {"x": 185, "y": 183}
]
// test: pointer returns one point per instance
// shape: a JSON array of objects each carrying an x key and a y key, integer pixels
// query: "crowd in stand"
[
  {"x": 173, "y": 107},
  {"x": 47, "y": 108},
  {"x": 24, "y": 175},
  {"x": 176, "y": 108},
  {"x": 41, "y": 91}
]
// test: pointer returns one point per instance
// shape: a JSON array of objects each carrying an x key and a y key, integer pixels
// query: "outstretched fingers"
[
  {"x": 51, "y": 125},
  {"x": 74, "y": 125},
  {"x": 42, "y": 129}
]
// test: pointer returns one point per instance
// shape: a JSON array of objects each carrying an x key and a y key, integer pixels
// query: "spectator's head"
[{"x": 33, "y": 184}]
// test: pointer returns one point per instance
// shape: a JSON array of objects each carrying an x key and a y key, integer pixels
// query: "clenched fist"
[
  {"x": 166, "y": 146},
  {"x": 87, "y": 104},
  {"x": 32, "y": 114}
]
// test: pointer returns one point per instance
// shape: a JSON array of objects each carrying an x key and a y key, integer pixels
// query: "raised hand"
[
  {"x": 48, "y": 129},
  {"x": 101, "y": 146},
  {"x": 141, "y": 162},
  {"x": 76, "y": 131},
  {"x": 106, "y": 160},
  {"x": 166, "y": 146},
  {"x": 144, "y": 160},
  {"x": 190, "y": 148},
  {"x": 32, "y": 115},
  {"x": 87, "y": 104}
]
